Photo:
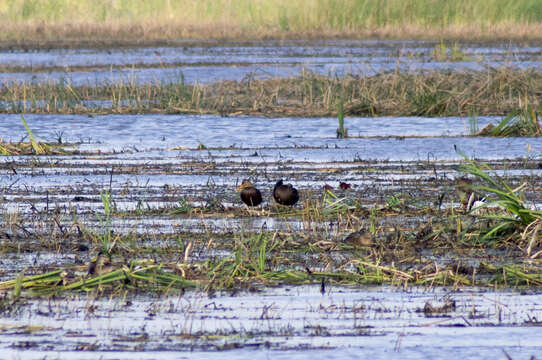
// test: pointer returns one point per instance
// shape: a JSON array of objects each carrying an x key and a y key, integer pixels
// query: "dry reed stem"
[{"x": 495, "y": 91}]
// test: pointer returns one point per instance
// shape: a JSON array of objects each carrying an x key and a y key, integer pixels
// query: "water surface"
[
  {"x": 376, "y": 322},
  {"x": 213, "y": 62}
]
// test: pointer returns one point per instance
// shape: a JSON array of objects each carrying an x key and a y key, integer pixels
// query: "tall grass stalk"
[
  {"x": 341, "y": 131},
  {"x": 473, "y": 125},
  {"x": 262, "y": 254},
  {"x": 105, "y": 233},
  {"x": 38, "y": 149}
]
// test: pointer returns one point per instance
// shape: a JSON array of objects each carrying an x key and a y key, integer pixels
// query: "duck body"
[
  {"x": 100, "y": 266},
  {"x": 285, "y": 194},
  {"x": 360, "y": 238},
  {"x": 249, "y": 194}
]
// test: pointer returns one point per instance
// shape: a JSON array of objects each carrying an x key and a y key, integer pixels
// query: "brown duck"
[
  {"x": 285, "y": 194},
  {"x": 360, "y": 238},
  {"x": 101, "y": 265},
  {"x": 249, "y": 194}
]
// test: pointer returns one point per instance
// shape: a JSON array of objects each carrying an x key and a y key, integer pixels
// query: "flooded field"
[
  {"x": 272, "y": 281},
  {"x": 283, "y": 323},
  {"x": 210, "y": 61}
]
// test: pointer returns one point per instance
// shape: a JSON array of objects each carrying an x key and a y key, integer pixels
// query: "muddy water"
[
  {"x": 212, "y": 62},
  {"x": 381, "y": 322}
]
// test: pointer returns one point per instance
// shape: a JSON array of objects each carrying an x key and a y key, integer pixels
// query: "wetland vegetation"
[
  {"x": 417, "y": 166},
  {"x": 125, "y": 21},
  {"x": 495, "y": 91},
  {"x": 388, "y": 253},
  {"x": 405, "y": 227}
]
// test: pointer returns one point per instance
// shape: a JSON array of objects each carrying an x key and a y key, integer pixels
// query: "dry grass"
[
  {"x": 248, "y": 19},
  {"x": 150, "y": 33},
  {"x": 496, "y": 91}
]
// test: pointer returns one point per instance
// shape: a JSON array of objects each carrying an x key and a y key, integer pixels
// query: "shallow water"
[
  {"x": 149, "y": 154},
  {"x": 214, "y": 62},
  {"x": 299, "y": 139},
  {"x": 151, "y": 162},
  {"x": 380, "y": 322},
  {"x": 218, "y": 131}
]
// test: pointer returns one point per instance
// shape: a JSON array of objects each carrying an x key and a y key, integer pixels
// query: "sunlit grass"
[
  {"x": 494, "y": 91},
  {"x": 260, "y": 18}
]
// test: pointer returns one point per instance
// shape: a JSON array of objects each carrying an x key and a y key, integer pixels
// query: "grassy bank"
[
  {"x": 435, "y": 93},
  {"x": 166, "y": 19}
]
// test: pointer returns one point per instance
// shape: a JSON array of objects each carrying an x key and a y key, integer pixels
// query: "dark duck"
[
  {"x": 285, "y": 194},
  {"x": 249, "y": 194}
]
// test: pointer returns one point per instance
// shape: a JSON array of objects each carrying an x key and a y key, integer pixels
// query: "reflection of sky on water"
[
  {"x": 206, "y": 64},
  {"x": 300, "y": 139},
  {"x": 287, "y": 322}
]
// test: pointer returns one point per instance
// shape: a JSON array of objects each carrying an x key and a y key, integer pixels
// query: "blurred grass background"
[{"x": 168, "y": 19}]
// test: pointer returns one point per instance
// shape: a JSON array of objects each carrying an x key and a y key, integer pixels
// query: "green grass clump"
[
  {"x": 514, "y": 216},
  {"x": 183, "y": 207},
  {"x": 443, "y": 52},
  {"x": 249, "y": 261},
  {"x": 521, "y": 123}
]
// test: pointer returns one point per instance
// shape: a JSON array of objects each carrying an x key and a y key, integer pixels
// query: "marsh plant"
[
  {"x": 250, "y": 259},
  {"x": 246, "y": 19},
  {"x": 493, "y": 91},
  {"x": 33, "y": 146},
  {"x": 105, "y": 234},
  {"x": 523, "y": 122},
  {"x": 514, "y": 215},
  {"x": 473, "y": 125},
  {"x": 444, "y": 52},
  {"x": 183, "y": 207}
]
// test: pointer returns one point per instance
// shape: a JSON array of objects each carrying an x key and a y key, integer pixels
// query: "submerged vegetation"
[
  {"x": 164, "y": 19},
  {"x": 495, "y": 91}
]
